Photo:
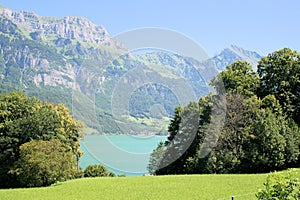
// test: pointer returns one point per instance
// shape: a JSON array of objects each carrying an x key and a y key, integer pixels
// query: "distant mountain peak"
[
  {"x": 233, "y": 53},
  {"x": 243, "y": 52}
]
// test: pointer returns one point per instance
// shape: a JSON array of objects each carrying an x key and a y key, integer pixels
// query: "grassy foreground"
[{"x": 156, "y": 187}]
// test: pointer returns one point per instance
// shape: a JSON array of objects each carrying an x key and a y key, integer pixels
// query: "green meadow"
[{"x": 242, "y": 186}]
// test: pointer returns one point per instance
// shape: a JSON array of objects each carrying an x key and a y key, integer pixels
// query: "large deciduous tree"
[
  {"x": 280, "y": 75},
  {"x": 23, "y": 119}
]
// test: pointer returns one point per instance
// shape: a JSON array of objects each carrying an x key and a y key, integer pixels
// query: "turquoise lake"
[{"x": 122, "y": 154}]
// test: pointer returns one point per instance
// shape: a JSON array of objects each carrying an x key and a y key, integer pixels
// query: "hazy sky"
[{"x": 260, "y": 25}]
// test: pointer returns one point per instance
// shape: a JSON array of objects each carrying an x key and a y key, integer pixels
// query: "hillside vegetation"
[{"x": 70, "y": 60}]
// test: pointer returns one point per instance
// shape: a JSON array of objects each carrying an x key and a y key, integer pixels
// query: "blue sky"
[{"x": 260, "y": 25}]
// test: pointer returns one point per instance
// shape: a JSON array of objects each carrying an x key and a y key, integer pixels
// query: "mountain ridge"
[
  {"x": 70, "y": 27},
  {"x": 75, "y": 61},
  {"x": 233, "y": 53}
]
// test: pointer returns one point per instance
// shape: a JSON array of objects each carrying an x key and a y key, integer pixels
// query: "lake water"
[{"x": 122, "y": 154}]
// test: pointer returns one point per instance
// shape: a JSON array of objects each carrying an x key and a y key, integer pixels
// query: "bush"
[
  {"x": 43, "y": 163},
  {"x": 278, "y": 186},
  {"x": 97, "y": 171}
]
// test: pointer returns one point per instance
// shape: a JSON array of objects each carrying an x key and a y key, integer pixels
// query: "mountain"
[
  {"x": 47, "y": 28},
  {"x": 70, "y": 60},
  {"x": 233, "y": 53}
]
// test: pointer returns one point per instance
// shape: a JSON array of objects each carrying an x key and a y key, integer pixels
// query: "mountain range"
[{"x": 73, "y": 61}]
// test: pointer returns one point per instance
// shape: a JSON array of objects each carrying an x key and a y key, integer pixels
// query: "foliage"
[
  {"x": 42, "y": 163},
  {"x": 238, "y": 77},
  {"x": 260, "y": 132},
  {"x": 173, "y": 128},
  {"x": 155, "y": 158},
  {"x": 23, "y": 119},
  {"x": 228, "y": 151},
  {"x": 148, "y": 95},
  {"x": 182, "y": 142},
  {"x": 280, "y": 75},
  {"x": 281, "y": 185},
  {"x": 55, "y": 95},
  {"x": 266, "y": 147},
  {"x": 97, "y": 171}
]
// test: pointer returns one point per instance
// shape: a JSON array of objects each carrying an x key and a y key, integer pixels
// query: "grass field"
[{"x": 153, "y": 187}]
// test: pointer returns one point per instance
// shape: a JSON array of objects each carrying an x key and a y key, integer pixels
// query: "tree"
[
  {"x": 228, "y": 151},
  {"x": 174, "y": 125},
  {"x": 292, "y": 149},
  {"x": 23, "y": 119},
  {"x": 185, "y": 138},
  {"x": 280, "y": 75},
  {"x": 97, "y": 171},
  {"x": 238, "y": 77},
  {"x": 42, "y": 163},
  {"x": 266, "y": 148},
  {"x": 155, "y": 158},
  {"x": 182, "y": 141},
  {"x": 13, "y": 107}
]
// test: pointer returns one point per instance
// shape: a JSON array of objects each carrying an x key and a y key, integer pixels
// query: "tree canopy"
[
  {"x": 280, "y": 75},
  {"x": 238, "y": 77},
  {"x": 260, "y": 132},
  {"x": 24, "y": 119}
]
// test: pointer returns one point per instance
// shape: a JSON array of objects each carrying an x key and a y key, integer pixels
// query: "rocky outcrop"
[
  {"x": 75, "y": 28},
  {"x": 36, "y": 68}
]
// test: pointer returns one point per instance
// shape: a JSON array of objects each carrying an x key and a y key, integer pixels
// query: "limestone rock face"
[{"x": 76, "y": 28}]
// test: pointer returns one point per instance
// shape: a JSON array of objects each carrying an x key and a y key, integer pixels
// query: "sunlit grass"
[{"x": 153, "y": 187}]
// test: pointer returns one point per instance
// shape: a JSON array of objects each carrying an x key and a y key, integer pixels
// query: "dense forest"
[{"x": 259, "y": 131}]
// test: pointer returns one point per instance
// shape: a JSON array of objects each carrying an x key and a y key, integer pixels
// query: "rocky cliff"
[
  {"x": 47, "y": 28},
  {"x": 74, "y": 61}
]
